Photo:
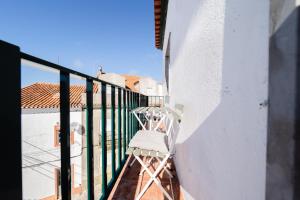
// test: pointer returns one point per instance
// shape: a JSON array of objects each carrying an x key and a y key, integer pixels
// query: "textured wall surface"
[{"x": 219, "y": 73}]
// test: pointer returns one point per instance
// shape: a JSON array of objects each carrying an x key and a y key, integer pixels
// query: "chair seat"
[{"x": 150, "y": 140}]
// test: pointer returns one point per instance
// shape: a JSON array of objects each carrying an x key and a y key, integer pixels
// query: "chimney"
[{"x": 100, "y": 72}]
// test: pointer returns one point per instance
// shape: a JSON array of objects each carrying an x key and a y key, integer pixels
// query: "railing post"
[
  {"x": 125, "y": 112},
  {"x": 143, "y": 100},
  {"x": 113, "y": 127},
  {"x": 11, "y": 167},
  {"x": 119, "y": 129},
  {"x": 128, "y": 118},
  {"x": 131, "y": 118},
  {"x": 134, "y": 119},
  {"x": 89, "y": 139},
  {"x": 103, "y": 140},
  {"x": 137, "y": 105},
  {"x": 65, "y": 135},
  {"x": 147, "y": 101}
]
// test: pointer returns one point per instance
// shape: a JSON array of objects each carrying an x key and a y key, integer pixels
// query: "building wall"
[
  {"x": 149, "y": 87},
  {"x": 219, "y": 73},
  {"x": 112, "y": 78},
  {"x": 283, "y": 142},
  {"x": 40, "y": 157}
]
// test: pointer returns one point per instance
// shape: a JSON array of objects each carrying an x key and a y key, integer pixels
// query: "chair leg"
[
  {"x": 159, "y": 123},
  {"x": 162, "y": 189},
  {"x": 165, "y": 168},
  {"x": 132, "y": 162},
  {"x": 153, "y": 177},
  {"x": 139, "y": 120},
  {"x": 148, "y": 164}
]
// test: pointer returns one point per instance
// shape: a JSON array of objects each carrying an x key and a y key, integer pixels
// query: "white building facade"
[
  {"x": 41, "y": 141},
  {"x": 216, "y": 69},
  {"x": 41, "y": 153},
  {"x": 150, "y": 87}
]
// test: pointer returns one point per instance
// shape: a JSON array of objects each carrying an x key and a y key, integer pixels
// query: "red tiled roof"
[
  {"x": 157, "y": 16},
  {"x": 46, "y": 95},
  {"x": 130, "y": 80}
]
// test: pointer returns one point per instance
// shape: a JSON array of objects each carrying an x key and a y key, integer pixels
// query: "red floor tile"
[{"x": 130, "y": 183}]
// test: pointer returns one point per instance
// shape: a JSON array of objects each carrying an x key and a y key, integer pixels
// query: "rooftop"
[
  {"x": 130, "y": 80},
  {"x": 46, "y": 95}
]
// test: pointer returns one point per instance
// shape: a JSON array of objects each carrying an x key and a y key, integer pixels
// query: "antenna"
[{"x": 101, "y": 69}]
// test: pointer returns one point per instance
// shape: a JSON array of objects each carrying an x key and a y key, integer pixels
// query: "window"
[
  {"x": 72, "y": 137},
  {"x": 57, "y": 135}
]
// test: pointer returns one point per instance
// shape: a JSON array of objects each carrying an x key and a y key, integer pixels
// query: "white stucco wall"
[
  {"x": 219, "y": 73},
  {"x": 149, "y": 87},
  {"x": 38, "y": 147},
  {"x": 113, "y": 78}
]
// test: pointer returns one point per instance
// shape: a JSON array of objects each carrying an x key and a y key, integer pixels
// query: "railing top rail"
[{"x": 46, "y": 63}]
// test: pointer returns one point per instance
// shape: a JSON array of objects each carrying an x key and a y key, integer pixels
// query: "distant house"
[
  {"x": 41, "y": 140},
  {"x": 141, "y": 84},
  {"x": 145, "y": 85},
  {"x": 132, "y": 82},
  {"x": 114, "y": 78}
]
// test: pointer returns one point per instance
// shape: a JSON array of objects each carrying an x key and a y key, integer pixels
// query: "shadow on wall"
[
  {"x": 80, "y": 129},
  {"x": 283, "y": 153},
  {"x": 225, "y": 156}
]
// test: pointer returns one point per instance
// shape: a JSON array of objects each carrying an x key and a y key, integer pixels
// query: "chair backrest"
[{"x": 172, "y": 124}]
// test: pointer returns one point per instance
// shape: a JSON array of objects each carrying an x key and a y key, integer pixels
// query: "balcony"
[{"x": 99, "y": 178}]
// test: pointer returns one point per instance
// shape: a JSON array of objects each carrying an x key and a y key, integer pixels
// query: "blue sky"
[{"x": 117, "y": 34}]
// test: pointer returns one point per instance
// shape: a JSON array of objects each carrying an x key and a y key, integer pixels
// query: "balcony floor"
[{"x": 130, "y": 183}]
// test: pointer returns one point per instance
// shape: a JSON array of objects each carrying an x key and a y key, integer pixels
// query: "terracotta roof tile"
[
  {"x": 130, "y": 80},
  {"x": 46, "y": 95},
  {"x": 157, "y": 15}
]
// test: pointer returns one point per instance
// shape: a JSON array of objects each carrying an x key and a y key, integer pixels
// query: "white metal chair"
[
  {"x": 156, "y": 145},
  {"x": 151, "y": 115}
]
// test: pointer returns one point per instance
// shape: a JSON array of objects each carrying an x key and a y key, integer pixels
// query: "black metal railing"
[
  {"x": 156, "y": 101},
  {"x": 10, "y": 63}
]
